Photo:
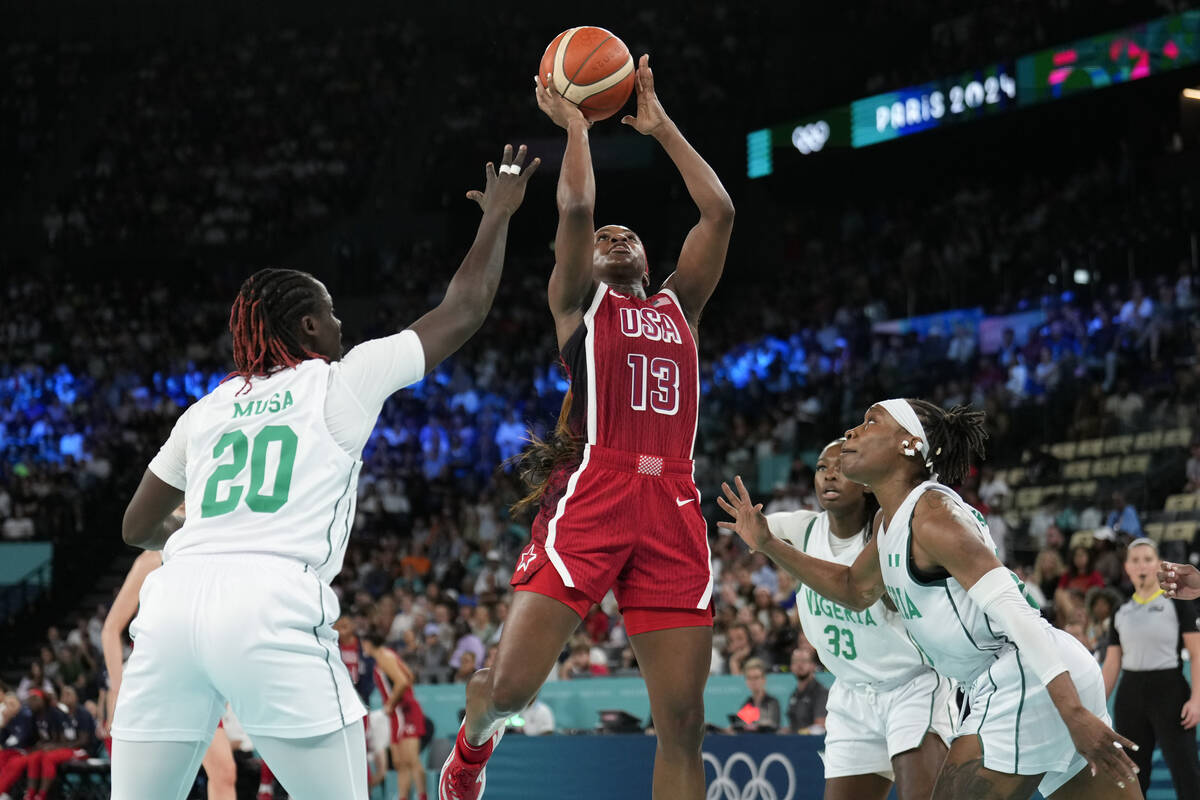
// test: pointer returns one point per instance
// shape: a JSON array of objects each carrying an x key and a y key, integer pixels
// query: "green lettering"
[
  {"x": 274, "y": 406},
  {"x": 912, "y": 608},
  {"x": 287, "y": 400},
  {"x": 242, "y": 411},
  {"x": 869, "y": 620}
]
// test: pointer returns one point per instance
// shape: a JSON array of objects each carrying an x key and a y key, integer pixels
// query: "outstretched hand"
[
  {"x": 650, "y": 114},
  {"x": 1179, "y": 581},
  {"x": 559, "y": 109},
  {"x": 504, "y": 192},
  {"x": 748, "y": 520},
  {"x": 1104, "y": 749}
]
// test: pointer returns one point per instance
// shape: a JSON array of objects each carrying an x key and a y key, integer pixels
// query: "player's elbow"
[
  {"x": 721, "y": 211},
  {"x": 132, "y": 532},
  {"x": 575, "y": 208}
]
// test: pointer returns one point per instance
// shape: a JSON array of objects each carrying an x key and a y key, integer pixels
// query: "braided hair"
[
  {"x": 536, "y": 463},
  {"x": 265, "y": 321},
  {"x": 953, "y": 436}
]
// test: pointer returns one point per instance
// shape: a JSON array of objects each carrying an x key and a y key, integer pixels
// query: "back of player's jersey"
[
  {"x": 637, "y": 376},
  {"x": 264, "y": 475}
]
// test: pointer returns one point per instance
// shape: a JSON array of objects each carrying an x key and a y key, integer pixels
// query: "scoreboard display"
[
  {"x": 1128, "y": 55},
  {"x": 930, "y": 105},
  {"x": 1097, "y": 62}
]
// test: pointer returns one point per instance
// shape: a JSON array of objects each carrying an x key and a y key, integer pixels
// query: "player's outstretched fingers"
[
  {"x": 519, "y": 157},
  {"x": 743, "y": 493},
  {"x": 507, "y": 158},
  {"x": 730, "y": 494},
  {"x": 1117, "y": 762},
  {"x": 728, "y": 509},
  {"x": 532, "y": 168}
]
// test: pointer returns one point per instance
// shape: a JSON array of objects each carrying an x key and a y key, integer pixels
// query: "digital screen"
[
  {"x": 803, "y": 137},
  {"x": 930, "y": 105},
  {"x": 1118, "y": 57},
  {"x": 1130, "y": 54}
]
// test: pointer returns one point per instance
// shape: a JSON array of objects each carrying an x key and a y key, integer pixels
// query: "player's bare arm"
[
  {"x": 944, "y": 537},
  {"x": 1111, "y": 669},
  {"x": 702, "y": 259},
  {"x": 571, "y": 281},
  {"x": 123, "y": 608},
  {"x": 399, "y": 678},
  {"x": 856, "y": 586},
  {"x": 1189, "y": 715},
  {"x": 471, "y": 291},
  {"x": 148, "y": 521},
  {"x": 1179, "y": 581}
]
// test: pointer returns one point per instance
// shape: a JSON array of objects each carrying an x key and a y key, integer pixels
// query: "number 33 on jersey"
[{"x": 643, "y": 355}]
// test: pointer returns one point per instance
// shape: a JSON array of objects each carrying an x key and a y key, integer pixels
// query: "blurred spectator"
[
  {"x": 1100, "y": 604},
  {"x": 806, "y": 706},
  {"x": 1193, "y": 469},
  {"x": 760, "y": 712},
  {"x": 538, "y": 718},
  {"x": 1123, "y": 517},
  {"x": 1080, "y": 576},
  {"x": 579, "y": 660},
  {"x": 1125, "y": 406}
]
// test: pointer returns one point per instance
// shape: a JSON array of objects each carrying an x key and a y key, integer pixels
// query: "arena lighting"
[
  {"x": 1082, "y": 276},
  {"x": 1097, "y": 62}
]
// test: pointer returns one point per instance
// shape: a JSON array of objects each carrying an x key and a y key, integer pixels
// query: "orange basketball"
[{"x": 592, "y": 68}]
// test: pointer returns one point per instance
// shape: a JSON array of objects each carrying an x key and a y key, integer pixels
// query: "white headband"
[{"x": 902, "y": 411}]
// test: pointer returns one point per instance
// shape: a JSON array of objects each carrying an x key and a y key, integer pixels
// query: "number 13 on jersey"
[{"x": 655, "y": 382}]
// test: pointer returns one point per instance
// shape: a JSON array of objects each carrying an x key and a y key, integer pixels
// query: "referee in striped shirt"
[{"x": 1155, "y": 705}]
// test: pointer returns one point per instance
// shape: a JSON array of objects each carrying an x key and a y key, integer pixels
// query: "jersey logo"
[
  {"x": 681, "y": 502},
  {"x": 660, "y": 302},
  {"x": 648, "y": 324},
  {"x": 527, "y": 558}
]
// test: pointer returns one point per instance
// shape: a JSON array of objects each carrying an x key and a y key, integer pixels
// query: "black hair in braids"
[
  {"x": 953, "y": 436},
  {"x": 265, "y": 321}
]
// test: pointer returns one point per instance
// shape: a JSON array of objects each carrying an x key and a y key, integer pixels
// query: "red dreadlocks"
[{"x": 265, "y": 321}]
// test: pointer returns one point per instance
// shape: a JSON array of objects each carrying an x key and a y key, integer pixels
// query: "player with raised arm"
[
  {"x": 268, "y": 462},
  {"x": 406, "y": 719},
  {"x": 617, "y": 505},
  {"x": 890, "y": 716},
  {"x": 1037, "y": 719},
  {"x": 218, "y": 762}
]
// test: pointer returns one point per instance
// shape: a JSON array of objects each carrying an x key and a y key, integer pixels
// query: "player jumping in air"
[
  {"x": 268, "y": 462},
  {"x": 617, "y": 505},
  {"x": 1038, "y": 719},
  {"x": 890, "y": 715}
]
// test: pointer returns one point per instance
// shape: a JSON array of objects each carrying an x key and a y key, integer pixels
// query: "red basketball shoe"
[{"x": 462, "y": 775}]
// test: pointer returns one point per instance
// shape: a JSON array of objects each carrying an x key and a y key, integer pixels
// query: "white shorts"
[
  {"x": 864, "y": 730},
  {"x": 1019, "y": 728},
  {"x": 379, "y": 731},
  {"x": 255, "y": 630}
]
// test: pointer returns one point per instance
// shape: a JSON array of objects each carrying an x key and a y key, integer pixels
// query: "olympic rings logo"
[
  {"x": 725, "y": 787},
  {"x": 812, "y": 137}
]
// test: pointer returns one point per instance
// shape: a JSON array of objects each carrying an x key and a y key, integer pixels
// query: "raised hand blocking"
[{"x": 504, "y": 191}]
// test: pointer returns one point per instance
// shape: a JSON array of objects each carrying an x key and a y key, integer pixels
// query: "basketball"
[{"x": 592, "y": 68}]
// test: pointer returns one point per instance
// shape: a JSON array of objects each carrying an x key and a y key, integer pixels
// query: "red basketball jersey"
[
  {"x": 635, "y": 375},
  {"x": 408, "y": 700}
]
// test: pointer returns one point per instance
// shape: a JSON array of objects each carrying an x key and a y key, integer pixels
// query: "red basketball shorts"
[
  {"x": 629, "y": 522},
  {"x": 407, "y": 723}
]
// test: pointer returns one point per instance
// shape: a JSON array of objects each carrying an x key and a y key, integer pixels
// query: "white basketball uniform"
[
  {"x": 885, "y": 697},
  {"x": 1019, "y": 728},
  {"x": 242, "y": 608}
]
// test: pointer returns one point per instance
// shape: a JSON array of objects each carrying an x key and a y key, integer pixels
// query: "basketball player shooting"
[{"x": 617, "y": 502}]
